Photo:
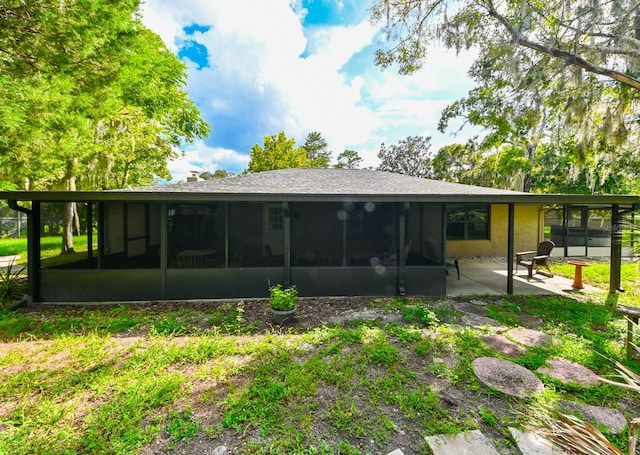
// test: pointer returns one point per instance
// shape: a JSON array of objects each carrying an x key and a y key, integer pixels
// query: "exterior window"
[
  {"x": 276, "y": 220},
  {"x": 468, "y": 222}
]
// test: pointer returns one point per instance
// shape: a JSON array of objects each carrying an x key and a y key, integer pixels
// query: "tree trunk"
[
  {"x": 531, "y": 150},
  {"x": 69, "y": 213}
]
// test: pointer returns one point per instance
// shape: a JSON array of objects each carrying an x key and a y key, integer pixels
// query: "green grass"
[
  {"x": 49, "y": 249},
  {"x": 597, "y": 275},
  {"x": 112, "y": 380}
]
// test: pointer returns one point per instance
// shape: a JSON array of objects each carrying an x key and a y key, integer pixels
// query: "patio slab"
[{"x": 490, "y": 278}]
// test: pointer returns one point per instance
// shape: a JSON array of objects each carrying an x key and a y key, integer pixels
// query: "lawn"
[
  {"x": 49, "y": 248},
  {"x": 597, "y": 274},
  {"x": 350, "y": 376}
]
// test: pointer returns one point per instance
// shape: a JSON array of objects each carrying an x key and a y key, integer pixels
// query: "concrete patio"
[{"x": 490, "y": 278}]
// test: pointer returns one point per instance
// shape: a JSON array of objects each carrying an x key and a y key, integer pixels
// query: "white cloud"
[
  {"x": 266, "y": 74},
  {"x": 201, "y": 157}
]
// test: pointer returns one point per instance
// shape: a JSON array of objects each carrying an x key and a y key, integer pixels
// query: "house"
[{"x": 328, "y": 231}]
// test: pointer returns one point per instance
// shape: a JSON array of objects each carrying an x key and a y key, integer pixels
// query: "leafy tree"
[
  {"x": 555, "y": 171},
  {"x": 278, "y": 153},
  {"x": 410, "y": 156},
  {"x": 505, "y": 167},
  {"x": 348, "y": 159},
  {"x": 600, "y": 37},
  {"x": 317, "y": 149},
  {"x": 217, "y": 174},
  {"x": 509, "y": 114},
  {"x": 546, "y": 73},
  {"x": 456, "y": 163},
  {"x": 90, "y": 98}
]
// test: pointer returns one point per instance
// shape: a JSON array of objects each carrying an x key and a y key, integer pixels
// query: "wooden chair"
[{"x": 536, "y": 259}]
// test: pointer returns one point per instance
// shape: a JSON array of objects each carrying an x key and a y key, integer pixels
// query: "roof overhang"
[{"x": 201, "y": 197}]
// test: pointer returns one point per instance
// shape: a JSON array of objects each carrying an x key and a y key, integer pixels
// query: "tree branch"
[
  {"x": 611, "y": 50},
  {"x": 574, "y": 60},
  {"x": 568, "y": 57}
]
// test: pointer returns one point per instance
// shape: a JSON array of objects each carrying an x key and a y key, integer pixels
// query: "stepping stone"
[
  {"x": 569, "y": 372},
  {"x": 471, "y": 443},
  {"x": 396, "y": 452},
  {"x": 367, "y": 315},
  {"x": 530, "y": 322},
  {"x": 612, "y": 419},
  {"x": 473, "y": 320},
  {"x": 531, "y": 443},
  {"x": 507, "y": 377},
  {"x": 471, "y": 308},
  {"x": 528, "y": 337},
  {"x": 504, "y": 345}
]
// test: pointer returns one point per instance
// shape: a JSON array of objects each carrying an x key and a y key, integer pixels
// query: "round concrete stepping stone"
[
  {"x": 569, "y": 372},
  {"x": 610, "y": 418},
  {"x": 507, "y": 377},
  {"x": 504, "y": 345},
  {"x": 528, "y": 337}
]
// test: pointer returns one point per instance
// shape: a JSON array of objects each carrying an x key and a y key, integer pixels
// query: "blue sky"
[{"x": 260, "y": 67}]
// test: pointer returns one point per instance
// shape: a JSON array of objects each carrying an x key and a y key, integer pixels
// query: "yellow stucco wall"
[{"x": 529, "y": 231}]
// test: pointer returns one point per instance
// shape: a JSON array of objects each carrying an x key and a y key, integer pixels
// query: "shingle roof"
[
  {"x": 320, "y": 181},
  {"x": 322, "y": 185}
]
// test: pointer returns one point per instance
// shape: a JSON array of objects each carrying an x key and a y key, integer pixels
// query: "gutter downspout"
[{"x": 33, "y": 248}]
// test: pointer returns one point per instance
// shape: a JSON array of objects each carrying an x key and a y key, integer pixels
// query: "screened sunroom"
[{"x": 329, "y": 232}]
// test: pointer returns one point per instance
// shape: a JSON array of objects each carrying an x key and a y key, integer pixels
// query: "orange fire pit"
[{"x": 577, "y": 277}]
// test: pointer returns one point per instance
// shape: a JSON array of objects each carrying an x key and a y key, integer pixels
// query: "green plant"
[
  {"x": 345, "y": 415},
  {"x": 420, "y": 315},
  {"x": 381, "y": 353},
  {"x": 182, "y": 427},
  {"x": 283, "y": 299},
  {"x": 488, "y": 416},
  {"x": 171, "y": 326},
  {"x": 10, "y": 283}
]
